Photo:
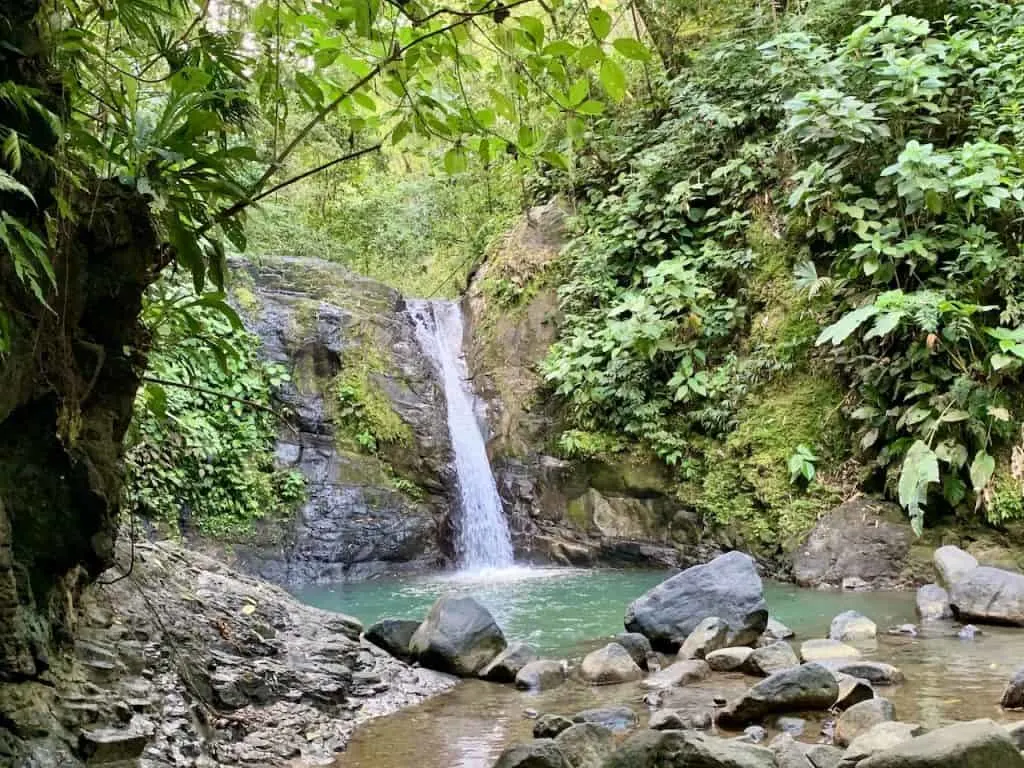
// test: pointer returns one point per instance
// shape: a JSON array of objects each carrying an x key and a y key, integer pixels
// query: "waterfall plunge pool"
[{"x": 567, "y": 612}]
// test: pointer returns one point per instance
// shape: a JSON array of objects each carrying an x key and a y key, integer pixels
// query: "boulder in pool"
[
  {"x": 879, "y": 738},
  {"x": 807, "y": 687},
  {"x": 616, "y": 719},
  {"x": 776, "y": 630},
  {"x": 679, "y": 674},
  {"x": 586, "y": 745},
  {"x": 933, "y": 603},
  {"x": 458, "y": 636},
  {"x": 952, "y": 564},
  {"x": 548, "y": 726},
  {"x": 506, "y": 665},
  {"x": 852, "y": 690},
  {"x": 609, "y": 665},
  {"x": 710, "y": 635},
  {"x": 729, "y": 659},
  {"x": 875, "y": 672},
  {"x": 769, "y": 659},
  {"x": 727, "y": 587},
  {"x": 827, "y": 650},
  {"x": 789, "y": 753},
  {"x": 679, "y": 720},
  {"x": 679, "y": 749},
  {"x": 638, "y": 645},
  {"x": 541, "y": 675},
  {"x": 851, "y": 626},
  {"x": 1013, "y": 694},
  {"x": 860, "y": 541},
  {"x": 862, "y": 717},
  {"x": 987, "y": 594},
  {"x": 393, "y": 636},
  {"x": 975, "y": 744},
  {"x": 540, "y": 753}
]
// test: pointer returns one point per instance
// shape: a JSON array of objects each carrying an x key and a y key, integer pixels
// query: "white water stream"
[{"x": 483, "y": 539}]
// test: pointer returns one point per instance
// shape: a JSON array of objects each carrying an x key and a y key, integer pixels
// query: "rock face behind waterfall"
[
  {"x": 366, "y": 513},
  {"x": 727, "y": 587}
]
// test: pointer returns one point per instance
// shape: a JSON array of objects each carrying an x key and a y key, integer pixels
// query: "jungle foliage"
[{"x": 868, "y": 182}]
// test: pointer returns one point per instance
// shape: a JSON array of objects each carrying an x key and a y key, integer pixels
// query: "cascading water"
[{"x": 483, "y": 536}]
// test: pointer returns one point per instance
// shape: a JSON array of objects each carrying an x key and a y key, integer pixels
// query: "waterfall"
[{"x": 483, "y": 537}]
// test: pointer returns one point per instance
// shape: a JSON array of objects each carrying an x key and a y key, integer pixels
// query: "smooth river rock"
[
  {"x": 609, "y": 665},
  {"x": 678, "y": 720},
  {"x": 769, "y": 659},
  {"x": 548, "y": 726},
  {"x": 1013, "y": 694},
  {"x": 710, "y": 635},
  {"x": 986, "y": 594},
  {"x": 393, "y": 636},
  {"x": 851, "y": 626},
  {"x": 852, "y": 690},
  {"x": 826, "y": 650},
  {"x": 952, "y": 564},
  {"x": 541, "y": 675},
  {"x": 458, "y": 636},
  {"x": 678, "y": 674},
  {"x": 638, "y": 645},
  {"x": 540, "y": 753},
  {"x": 586, "y": 745},
  {"x": 727, "y": 587},
  {"x": 728, "y": 659},
  {"x": 933, "y": 603},
  {"x": 809, "y": 686},
  {"x": 617, "y": 719},
  {"x": 976, "y": 744},
  {"x": 879, "y": 738},
  {"x": 507, "y": 664},
  {"x": 688, "y": 749},
  {"x": 875, "y": 672},
  {"x": 776, "y": 630},
  {"x": 861, "y": 717}
]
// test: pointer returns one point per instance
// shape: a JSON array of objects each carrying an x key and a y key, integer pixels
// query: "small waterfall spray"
[{"x": 483, "y": 539}]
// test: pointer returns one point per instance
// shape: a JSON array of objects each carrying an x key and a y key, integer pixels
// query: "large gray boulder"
[
  {"x": 933, "y": 603},
  {"x": 541, "y": 675},
  {"x": 852, "y": 690},
  {"x": 586, "y": 745},
  {"x": 976, "y": 744},
  {"x": 769, "y": 659},
  {"x": 727, "y": 587},
  {"x": 687, "y": 749},
  {"x": 851, "y": 626},
  {"x": 540, "y": 753},
  {"x": 876, "y": 672},
  {"x": 506, "y": 665},
  {"x": 861, "y": 718},
  {"x": 609, "y": 665},
  {"x": 393, "y": 636},
  {"x": 861, "y": 539},
  {"x": 458, "y": 636},
  {"x": 729, "y": 659},
  {"x": 638, "y": 645},
  {"x": 789, "y": 753},
  {"x": 809, "y": 686},
  {"x": 952, "y": 564},
  {"x": 986, "y": 594},
  {"x": 879, "y": 738}
]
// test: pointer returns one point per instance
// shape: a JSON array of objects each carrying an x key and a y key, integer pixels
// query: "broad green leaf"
[
  {"x": 632, "y": 48},
  {"x": 560, "y": 48},
  {"x": 578, "y": 92},
  {"x": 613, "y": 79},
  {"x": 840, "y": 330},
  {"x": 534, "y": 28},
  {"x": 589, "y": 55},
  {"x": 884, "y": 324},
  {"x": 455, "y": 160},
  {"x": 10, "y": 184},
  {"x": 556, "y": 159},
  {"x": 310, "y": 88},
  {"x": 590, "y": 107},
  {"x": 920, "y": 469},
  {"x": 982, "y": 469},
  {"x": 600, "y": 22}
]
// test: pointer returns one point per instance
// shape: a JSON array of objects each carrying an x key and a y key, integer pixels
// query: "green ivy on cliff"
[{"x": 201, "y": 445}]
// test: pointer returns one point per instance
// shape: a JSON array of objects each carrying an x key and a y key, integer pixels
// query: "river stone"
[
  {"x": 541, "y": 675},
  {"x": 678, "y": 720},
  {"x": 852, "y": 626},
  {"x": 508, "y": 663},
  {"x": 458, "y": 636},
  {"x": 852, "y": 690},
  {"x": 809, "y": 686},
  {"x": 826, "y": 650},
  {"x": 727, "y": 587},
  {"x": 864, "y": 539},
  {"x": 878, "y": 738},
  {"x": 586, "y": 745},
  {"x": 789, "y": 753},
  {"x": 933, "y": 603},
  {"x": 1016, "y": 732},
  {"x": 862, "y": 717},
  {"x": 875, "y": 672},
  {"x": 710, "y": 635},
  {"x": 976, "y": 744},
  {"x": 678, "y": 674},
  {"x": 393, "y": 636},
  {"x": 540, "y": 753},
  {"x": 776, "y": 630},
  {"x": 609, "y": 665},
  {"x": 952, "y": 564},
  {"x": 1013, "y": 694},
  {"x": 638, "y": 645},
  {"x": 548, "y": 726},
  {"x": 616, "y": 719},
  {"x": 987, "y": 594},
  {"x": 728, "y": 659},
  {"x": 687, "y": 749},
  {"x": 824, "y": 755},
  {"x": 769, "y": 659}
]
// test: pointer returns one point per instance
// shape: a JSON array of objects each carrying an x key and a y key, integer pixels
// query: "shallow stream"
[{"x": 566, "y": 613}]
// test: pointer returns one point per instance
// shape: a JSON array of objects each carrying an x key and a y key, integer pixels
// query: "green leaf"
[
  {"x": 982, "y": 469},
  {"x": 840, "y": 330},
  {"x": 590, "y": 107},
  {"x": 10, "y": 184},
  {"x": 600, "y": 22},
  {"x": 556, "y": 159},
  {"x": 613, "y": 79},
  {"x": 578, "y": 92},
  {"x": 560, "y": 48},
  {"x": 884, "y": 324},
  {"x": 589, "y": 55},
  {"x": 534, "y": 27},
  {"x": 632, "y": 48},
  {"x": 310, "y": 88},
  {"x": 455, "y": 160},
  {"x": 920, "y": 469}
]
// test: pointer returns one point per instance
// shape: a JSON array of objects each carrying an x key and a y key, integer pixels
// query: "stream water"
[{"x": 566, "y": 613}]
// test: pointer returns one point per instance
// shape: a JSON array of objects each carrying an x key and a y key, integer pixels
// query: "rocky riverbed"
[{"x": 185, "y": 662}]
